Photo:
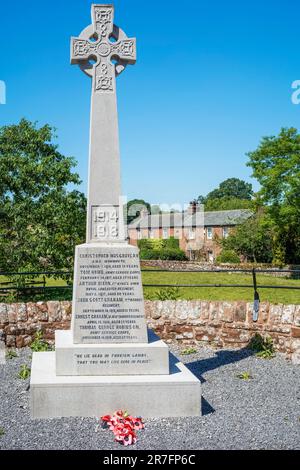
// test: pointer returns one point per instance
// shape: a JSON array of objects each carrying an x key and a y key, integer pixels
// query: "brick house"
[{"x": 198, "y": 232}]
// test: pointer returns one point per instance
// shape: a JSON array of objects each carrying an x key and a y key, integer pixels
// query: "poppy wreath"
[{"x": 123, "y": 426}]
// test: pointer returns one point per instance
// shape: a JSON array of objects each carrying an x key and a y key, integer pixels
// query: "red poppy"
[
  {"x": 138, "y": 424},
  {"x": 123, "y": 426},
  {"x": 106, "y": 421},
  {"x": 106, "y": 418},
  {"x": 125, "y": 435}
]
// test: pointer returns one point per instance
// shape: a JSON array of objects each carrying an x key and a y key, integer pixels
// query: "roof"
[
  {"x": 179, "y": 219},
  {"x": 223, "y": 218}
]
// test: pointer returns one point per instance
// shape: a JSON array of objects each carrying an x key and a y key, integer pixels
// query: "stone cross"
[
  {"x": 107, "y": 361},
  {"x": 103, "y": 51}
]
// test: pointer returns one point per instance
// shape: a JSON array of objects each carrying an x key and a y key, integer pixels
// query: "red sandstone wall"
[{"x": 221, "y": 324}]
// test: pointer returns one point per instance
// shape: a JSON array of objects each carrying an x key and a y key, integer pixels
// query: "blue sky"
[{"x": 210, "y": 80}]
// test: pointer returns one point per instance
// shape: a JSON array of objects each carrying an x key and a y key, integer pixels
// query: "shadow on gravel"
[
  {"x": 207, "y": 409},
  {"x": 221, "y": 358}
]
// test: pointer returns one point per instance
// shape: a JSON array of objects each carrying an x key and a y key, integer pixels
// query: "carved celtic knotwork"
[
  {"x": 103, "y": 16},
  {"x": 103, "y": 50},
  {"x": 103, "y": 20},
  {"x": 104, "y": 79},
  {"x": 83, "y": 48},
  {"x": 124, "y": 48}
]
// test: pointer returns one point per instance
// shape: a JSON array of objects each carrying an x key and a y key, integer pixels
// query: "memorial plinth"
[{"x": 108, "y": 360}]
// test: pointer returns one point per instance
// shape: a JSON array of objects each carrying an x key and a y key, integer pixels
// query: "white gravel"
[{"x": 261, "y": 413}]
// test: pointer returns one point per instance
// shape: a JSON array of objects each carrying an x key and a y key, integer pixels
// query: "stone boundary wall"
[
  {"x": 194, "y": 265},
  {"x": 220, "y": 324}
]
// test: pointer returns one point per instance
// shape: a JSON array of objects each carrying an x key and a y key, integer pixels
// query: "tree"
[
  {"x": 252, "y": 239},
  {"x": 41, "y": 221},
  {"x": 232, "y": 188},
  {"x": 232, "y": 193},
  {"x": 276, "y": 165},
  {"x": 134, "y": 208},
  {"x": 225, "y": 204},
  {"x": 201, "y": 199}
]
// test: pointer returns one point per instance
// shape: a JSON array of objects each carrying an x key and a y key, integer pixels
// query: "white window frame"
[
  {"x": 192, "y": 234},
  {"x": 209, "y": 233},
  {"x": 165, "y": 233},
  {"x": 225, "y": 232}
]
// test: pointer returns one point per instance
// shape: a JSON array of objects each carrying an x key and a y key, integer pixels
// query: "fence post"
[{"x": 256, "y": 297}]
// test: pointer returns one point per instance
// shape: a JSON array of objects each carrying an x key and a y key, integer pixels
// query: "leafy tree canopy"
[
  {"x": 41, "y": 221},
  {"x": 232, "y": 188},
  {"x": 276, "y": 165},
  {"x": 252, "y": 239},
  {"x": 224, "y": 204},
  {"x": 134, "y": 208}
]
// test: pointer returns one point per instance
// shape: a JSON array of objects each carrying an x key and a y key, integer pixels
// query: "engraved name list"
[{"x": 109, "y": 301}]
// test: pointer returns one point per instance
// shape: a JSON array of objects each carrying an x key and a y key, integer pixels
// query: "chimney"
[{"x": 193, "y": 208}]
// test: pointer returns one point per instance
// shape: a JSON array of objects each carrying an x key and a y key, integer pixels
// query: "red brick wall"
[{"x": 200, "y": 242}]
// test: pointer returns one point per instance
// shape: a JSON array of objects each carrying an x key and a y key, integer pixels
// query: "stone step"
[
  {"x": 52, "y": 396},
  {"x": 110, "y": 359}
]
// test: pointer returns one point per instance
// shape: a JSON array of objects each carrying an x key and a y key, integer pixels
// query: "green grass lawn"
[
  {"x": 194, "y": 293},
  {"x": 223, "y": 293},
  {"x": 42, "y": 295},
  {"x": 50, "y": 282}
]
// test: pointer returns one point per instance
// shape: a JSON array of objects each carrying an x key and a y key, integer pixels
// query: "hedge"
[{"x": 161, "y": 249}]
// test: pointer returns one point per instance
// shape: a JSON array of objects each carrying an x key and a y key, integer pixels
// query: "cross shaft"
[{"x": 104, "y": 212}]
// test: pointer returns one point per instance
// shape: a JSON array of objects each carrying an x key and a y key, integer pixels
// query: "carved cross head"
[{"x": 107, "y": 46}]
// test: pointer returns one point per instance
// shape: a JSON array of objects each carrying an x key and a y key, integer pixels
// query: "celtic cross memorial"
[
  {"x": 108, "y": 299},
  {"x": 108, "y": 360}
]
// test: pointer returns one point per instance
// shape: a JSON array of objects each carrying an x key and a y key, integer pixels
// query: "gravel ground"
[{"x": 261, "y": 413}]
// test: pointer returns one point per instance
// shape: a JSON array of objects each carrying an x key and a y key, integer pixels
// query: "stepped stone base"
[
  {"x": 110, "y": 359},
  {"x": 52, "y": 396}
]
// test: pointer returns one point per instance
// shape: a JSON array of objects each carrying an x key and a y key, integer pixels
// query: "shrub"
[
  {"x": 150, "y": 244},
  {"x": 168, "y": 293},
  {"x": 171, "y": 243},
  {"x": 11, "y": 354},
  {"x": 188, "y": 351},
  {"x": 158, "y": 243},
  {"x": 172, "y": 254},
  {"x": 161, "y": 249},
  {"x": 163, "y": 254},
  {"x": 263, "y": 347},
  {"x": 147, "y": 254},
  {"x": 228, "y": 256},
  {"x": 244, "y": 376},
  {"x": 39, "y": 344},
  {"x": 24, "y": 372},
  {"x": 145, "y": 244}
]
